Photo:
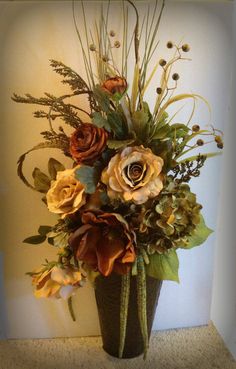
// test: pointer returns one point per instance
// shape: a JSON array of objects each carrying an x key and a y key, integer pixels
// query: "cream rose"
[
  {"x": 56, "y": 282},
  {"x": 134, "y": 174},
  {"x": 66, "y": 194}
]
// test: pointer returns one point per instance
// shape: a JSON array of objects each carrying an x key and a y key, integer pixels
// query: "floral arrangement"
[{"x": 125, "y": 204}]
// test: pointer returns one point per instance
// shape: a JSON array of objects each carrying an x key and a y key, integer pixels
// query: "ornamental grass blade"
[
  {"x": 20, "y": 162},
  {"x": 180, "y": 97},
  {"x": 142, "y": 302},
  {"x": 134, "y": 94},
  {"x": 124, "y": 304}
]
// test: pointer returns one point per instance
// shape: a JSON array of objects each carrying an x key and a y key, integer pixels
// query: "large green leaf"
[
  {"x": 100, "y": 121},
  {"x": 164, "y": 266},
  {"x": 41, "y": 181},
  {"x": 118, "y": 144},
  {"x": 54, "y": 166},
  {"x": 162, "y": 132},
  {"x": 44, "y": 229},
  {"x": 102, "y": 98},
  {"x": 117, "y": 124},
  {"x": 140, "y": 119},
  {"x": 199, "y": 236},
  {"x": 89, "y": 176},
  {"x": 35, "y": 240},
  {"x": 178, "y": 130}
]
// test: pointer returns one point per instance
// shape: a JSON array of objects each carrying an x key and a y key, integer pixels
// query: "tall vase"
[{"x": 107, "y": 293}]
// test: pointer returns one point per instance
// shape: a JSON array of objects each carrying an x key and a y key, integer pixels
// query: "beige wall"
[{"x": 30, "y": 34}]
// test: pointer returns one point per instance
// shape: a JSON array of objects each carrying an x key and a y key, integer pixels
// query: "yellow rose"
[
  {"x": 134, "y": 174},
  {"x": 66, "y": 194},
  {"x": 56, "y": 282}
]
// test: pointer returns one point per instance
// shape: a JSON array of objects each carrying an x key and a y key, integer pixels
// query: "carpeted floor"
[{"x": 193, "y": 348}]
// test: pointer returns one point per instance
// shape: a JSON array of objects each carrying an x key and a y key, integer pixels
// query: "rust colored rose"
[
  {"x": 115, "y": 84},
  {"x": 87, "y": 143},
  {"x": 104, "y": 242}
]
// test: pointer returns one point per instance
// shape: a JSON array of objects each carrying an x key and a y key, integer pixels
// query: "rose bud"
[{"x": 115, "y": 85}]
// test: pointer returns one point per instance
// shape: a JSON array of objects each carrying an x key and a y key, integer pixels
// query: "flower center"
[
  {"x": 84, "y": 139},
  {"x": 135, "y": 172}
]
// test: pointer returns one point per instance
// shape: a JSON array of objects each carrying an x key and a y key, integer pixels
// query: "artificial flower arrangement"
[{"x": 124, "y": 205}]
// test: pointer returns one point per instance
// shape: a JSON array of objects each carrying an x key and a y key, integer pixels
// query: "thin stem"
[
  {"x": 136, "y": 32},
  {"x": 87, "y": 42},
  {"x": 81, "y": 45}
]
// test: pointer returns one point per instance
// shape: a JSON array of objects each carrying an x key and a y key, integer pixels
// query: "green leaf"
[
  {"x": 89, "y": 176},
  {"x": 102, "y": 98},
  {"x": 164, "y": 149},
  {"x": 140, "y": 120},
  {"x": 35, "y": 240},
  {"x": 178, "y": 130},
  {"x": 99, "y": 121},
  {"x": 54, "y": 166},
  {"x": 201, "y": 233},
  {"x": 41, "y": 181},
  {"x": 117, "y": 124},
  {"x": 44, "y": 229},
  {"x": 117, "y": 144},
  {"x": 162, "y": 132},
  {"x": 163, "y": 120},
  {"x": 164, "y": 266}
]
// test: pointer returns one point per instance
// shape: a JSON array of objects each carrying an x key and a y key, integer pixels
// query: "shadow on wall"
[{"x": 2, "y": 302}]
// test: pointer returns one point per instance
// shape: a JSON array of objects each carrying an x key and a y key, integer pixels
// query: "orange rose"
[
  {"x": 87, "y": 143},
  {"x": 104, "y": 243},
  {"x": 115, "y": 84}
]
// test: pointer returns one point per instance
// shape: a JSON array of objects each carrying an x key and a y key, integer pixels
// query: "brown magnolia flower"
[
  {"x": 87, "y": 143},
  {"x": 115, "y": 84},
  {"x": 104, "y": 242}
]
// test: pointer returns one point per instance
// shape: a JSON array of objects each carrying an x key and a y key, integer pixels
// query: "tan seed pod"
[
  {"x": 185, "y": 48},
  {"x": 92, "y": 47},
  {"x": 169, "y": 45},
  {"x": 195, "y": 128},
  {"x": 200, "y": 142},
  {"x": 175, "y": 76},
  {"x": 162, "y": 62},
  {"x": 117, "y": 44},
  {"x": 218, "y": 139},
  {"x": 220, "y": 145}
]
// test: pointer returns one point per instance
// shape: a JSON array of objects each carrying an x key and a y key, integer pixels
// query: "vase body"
[{"x": 107, "y": 293}]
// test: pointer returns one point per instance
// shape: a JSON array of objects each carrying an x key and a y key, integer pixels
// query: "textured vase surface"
[{"x": 107, "y": 293}]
